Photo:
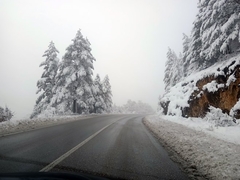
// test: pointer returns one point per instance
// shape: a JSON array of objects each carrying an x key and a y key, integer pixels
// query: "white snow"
[
  {"x": 22, "y": 125},
  {"x": 229, "y": 22},
  {"x": 231, "y": 79},
  {"x": 84, "y": 55},
  {"x": 211, "y": 87},
  {"x": 206, "y": 125},
  {"x": 211, "y": 144},
  {"x": 180, "y": 94},
  {"x": 213, "y": 150},
  {"x": 82, "y": 71},
  {"x": 74, "y": 54},
  {"x": 235, "y": 108}
]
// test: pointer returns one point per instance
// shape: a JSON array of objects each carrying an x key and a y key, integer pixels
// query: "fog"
[{"x": 129, "y": 39}]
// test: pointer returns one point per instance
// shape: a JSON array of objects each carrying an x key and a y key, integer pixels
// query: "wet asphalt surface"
[{"x": 124, "y": 150}]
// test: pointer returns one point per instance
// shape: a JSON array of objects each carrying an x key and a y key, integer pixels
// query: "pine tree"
[
  {"x": 168, "y": 68},
  {"x": 107, "y": 93},
  {"x": 99, "y": 105},
  {"x": 5, "y": 114},
  {"x": 179, "y": 69},
  {"x": 74, "y": 81},
  {"x": 173, "y": 71},
  {"x": 46, "y": 83},
  {"x": 8, "y": 113},
  {"x": 193, "y": 59},
  {"x": 185, "y": 65},
  {"x": 133, "y": 107},
  {"x": 220, "y": 30},
  {"x": 215, "y": 33}
]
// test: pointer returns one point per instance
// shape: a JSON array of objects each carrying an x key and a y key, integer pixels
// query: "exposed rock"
[
  {"x": 224, "y": 98},
  {"x": 219, "y": 88}
]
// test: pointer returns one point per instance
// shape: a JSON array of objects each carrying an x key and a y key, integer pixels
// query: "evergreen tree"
[
  {"x": 107, "y": 93},
  {"x": 193, "y": 59},
  {"x": 179, "y": 69},
  {"x": 215, "y": 33},
  {"x": 46, "y": 83},
  {"x": 132, "y": 107},
  {"x": 5, "y": 114},
  {"x": 168, "y": 68},
  {"x": 99, "y": 105},
  {"x": 185, "y": 65},
  {"x": 1, "y": 111},
  {"x": 220, "y": 29},
  {"x": 74, "y": 81},
  {"x": 8, "y": 113},
  {"x": 173, "y": 71}
]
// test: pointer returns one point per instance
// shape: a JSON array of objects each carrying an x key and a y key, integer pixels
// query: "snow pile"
[
  {"x": 229, "y": 133},
  {"x": 22, "y": 125},
  {"x": 179, "y": 95},
  {"x": 212, "y": 86},
  {"x": 203, "y": 150},
  {"x": 217, "y": 118}
]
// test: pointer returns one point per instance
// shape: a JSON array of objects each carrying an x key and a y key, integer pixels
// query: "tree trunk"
[{"x": 74, "y": 106}]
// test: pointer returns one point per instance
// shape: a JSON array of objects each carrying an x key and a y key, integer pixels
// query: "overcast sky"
[{"x": 129, "y": 39}]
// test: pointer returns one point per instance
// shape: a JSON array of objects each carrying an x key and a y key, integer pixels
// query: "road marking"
[{"x": 64, "y": 156}]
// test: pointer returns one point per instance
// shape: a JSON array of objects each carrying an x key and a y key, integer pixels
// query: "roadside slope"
[{"x": 197, "y": 151}]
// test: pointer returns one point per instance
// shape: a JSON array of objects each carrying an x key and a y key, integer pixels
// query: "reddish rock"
[{"x": 226, "y": 96}]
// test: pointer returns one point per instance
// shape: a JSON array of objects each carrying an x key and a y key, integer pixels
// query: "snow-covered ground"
[
  {"x": 179, "y": 95},
  {"x": 204, "y": 148},
  {"x": 21, "y": 125}
]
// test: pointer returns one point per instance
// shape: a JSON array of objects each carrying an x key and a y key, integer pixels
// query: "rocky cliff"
[{"x": 217, "y": 87}]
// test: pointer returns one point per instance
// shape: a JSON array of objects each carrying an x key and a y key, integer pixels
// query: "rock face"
[
  {"x": 221, "y": 89},
  {"x": 226, "y": 96}
]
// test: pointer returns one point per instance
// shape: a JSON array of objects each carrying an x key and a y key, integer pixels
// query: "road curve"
[{"x": 121, "y": 148}]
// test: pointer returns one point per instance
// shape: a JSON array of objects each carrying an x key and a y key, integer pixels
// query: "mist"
[{"x": 129, "y": 40}]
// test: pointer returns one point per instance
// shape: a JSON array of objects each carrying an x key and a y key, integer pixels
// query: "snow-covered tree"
[
  {"x": 185, "y": 65},
  {"x": 107, "y": 93},
  {"x": 174, "y": 69},
  {"x": 132, "y": 107},
  {"x": 1, "y": 111},
  {"x": 73, "y": 90},
  {"x": 168, "y": 68},
  {"x": 220, "y": 29},
  {"x": 47, "y": 82},
  {"x": 8, "y": 113},
  {"x": 193, "y": 60},
  {"x": 215, "y": 33},
  {"x": 99, "y": 104},
  {"x": 117, "y": 109},
  {"x": 5, "y": 114}
]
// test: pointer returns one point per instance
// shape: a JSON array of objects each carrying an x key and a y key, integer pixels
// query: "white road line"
[{"x": 61, "y": 158}]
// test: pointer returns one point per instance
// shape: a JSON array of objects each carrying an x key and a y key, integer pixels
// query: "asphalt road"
[{"x": 115, "y": 146}]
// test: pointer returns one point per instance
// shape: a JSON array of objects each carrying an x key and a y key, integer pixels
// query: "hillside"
[{"x": 213, "y": 90}]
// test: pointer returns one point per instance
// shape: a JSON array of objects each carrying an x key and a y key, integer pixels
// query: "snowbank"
[
  {"x": 206, "y": 150},
  {"x": 21, "y": 125}
]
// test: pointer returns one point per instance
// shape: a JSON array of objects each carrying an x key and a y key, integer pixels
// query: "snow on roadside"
[
  {"x": 22, "y": 125},
  {"x": 208, "y": 149},
  {"x": 229, "y": 133}
]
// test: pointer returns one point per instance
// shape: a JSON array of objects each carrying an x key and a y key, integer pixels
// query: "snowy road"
[{"x": 117, "y": 146}]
